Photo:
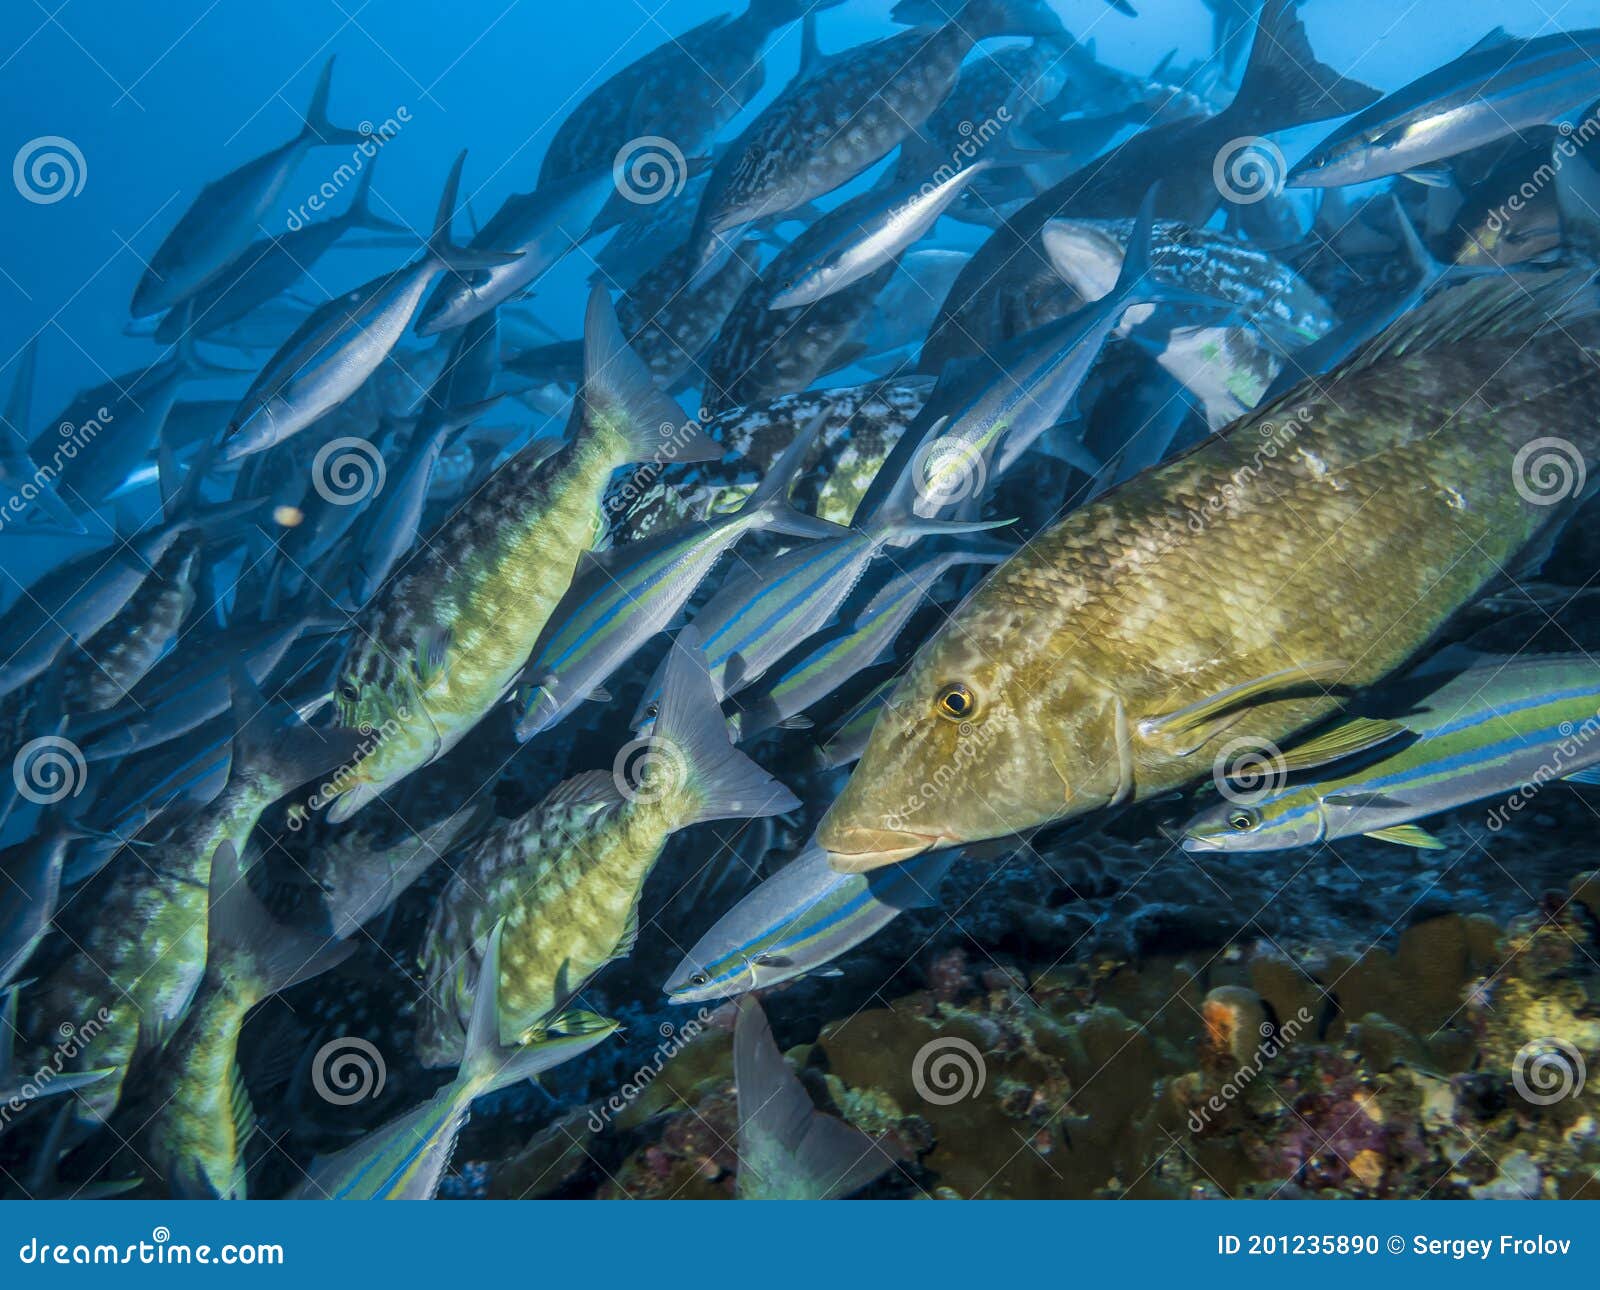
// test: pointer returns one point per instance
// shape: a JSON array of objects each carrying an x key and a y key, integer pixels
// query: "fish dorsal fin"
[
  {"x": 1591, "y": 775},
  {"x": 1500, "y": 306},
  {"x": 1496, "y": 38},
  {"x": 1408, "y": 835},
  {"x": 591, "y": 788},
  {"x": 1344, "y": 740}
]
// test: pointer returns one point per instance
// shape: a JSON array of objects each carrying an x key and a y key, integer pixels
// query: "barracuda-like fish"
[
  {"x": 1483, "y": 731},
  {"x": 779, "y": 602},
  {"x": 267, "y": 268},
  {"x": 828, "y": 127},
  {"x": 406, "y": 1158},
  {"x": 540, "y": 227},
  {"x": 763, "y": 351},
  {"x": 685, "y": 90},
  {"x": 346, "y": 340},
  {"x": 831, "y": 663},
  {"x": 1229, "y": 368},
  {"x": 120, "y": 655},
  {"x": 225, "y": 218},
  {"x": 1115, "y": 656},
  {"x": 799, "y": 920},
  {"x": 1009, "y": 287},
  {"x": 861, "y": 425},
  {"x": 621, "y": 599},
  {"x": 144, "y": 952},
  {"x": 567, "y": 876},
  {"x": 194, "y": 1115},
  {"x": 789, "y": 1150},
  {"x": 1498, "y": 87},
  {"x": 443, "y": 641}
]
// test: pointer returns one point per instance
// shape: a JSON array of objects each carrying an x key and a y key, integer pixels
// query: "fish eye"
[
  {"x": 1243, "y": 820},
  {"x": 956, "y": 702},
  {"x": 349, "y": 693},
  {"x": 699, "y": 978}
]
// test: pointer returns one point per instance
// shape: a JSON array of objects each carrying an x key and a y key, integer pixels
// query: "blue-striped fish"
[
  {"x": 839, "y": 656},
  {"x": 346, "y": 340},
  {"x": 406, "y": 1158},
  {"x": 621, "y": 599},
  {"x": 799, "y": 920},
  {"x": 1488, "y": 730}
]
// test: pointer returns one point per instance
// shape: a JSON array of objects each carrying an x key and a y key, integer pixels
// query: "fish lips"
[{"x": 861, "y": 850}]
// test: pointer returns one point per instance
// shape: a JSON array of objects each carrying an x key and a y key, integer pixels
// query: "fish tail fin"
[
  {"x": 772, "y": 497},
  {"x": 820, "y": 1157},
  {"x": 1284, "y": 84},
  {"x": 360, "y": 214},
  {"x": 488, "y": 1065},
  {"x": 270, "y": 740},
  {"x": 459, "y": 259},
  {"x": 318, "y": 128},
  {"x": 260, "y": 950},
  {"x": 1137, "y": 283},
  {"x": 619, "y": 391},
  {"x": 691, "y": 738}
]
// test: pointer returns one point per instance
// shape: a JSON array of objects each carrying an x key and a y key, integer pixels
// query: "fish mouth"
[{"x": 860, "y": 850}]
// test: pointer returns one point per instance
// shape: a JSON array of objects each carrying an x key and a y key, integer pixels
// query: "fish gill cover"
[{"x": 979, "y": 598}]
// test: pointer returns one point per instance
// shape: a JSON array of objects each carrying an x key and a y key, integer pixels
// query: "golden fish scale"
[
  {"x": 1382, "y": 511},
  {"x": 565, "y": 881}
]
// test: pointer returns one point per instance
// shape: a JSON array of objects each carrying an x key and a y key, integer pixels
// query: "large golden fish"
[{"x": 1214, "y": 606}]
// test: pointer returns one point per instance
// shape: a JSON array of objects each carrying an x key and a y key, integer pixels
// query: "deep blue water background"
[{"x": 162, "y": 95}]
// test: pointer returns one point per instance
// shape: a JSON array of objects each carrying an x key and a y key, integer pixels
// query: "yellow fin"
[
  {"x": 1408, "y": 835},
  {"x": 1341, "y": 741},
  {"x": 1213, "y": 707}
]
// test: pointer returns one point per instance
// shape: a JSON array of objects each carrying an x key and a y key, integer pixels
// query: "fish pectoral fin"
[
  {"x": 1408, "y": 835},
  {"x": 599, "y": 695},
  {"x": 1366, "y": 802},
  {"x": 630, "y": 935},
  {"x": 1430, "y": 177},
  {"x": 797, "y": 722},
  {"x": 772, "y": 960},
  {"x": 1344, "y": 740},
  {"x": 432, "y": 650},
  {"x": 1213, "y": 710}
]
